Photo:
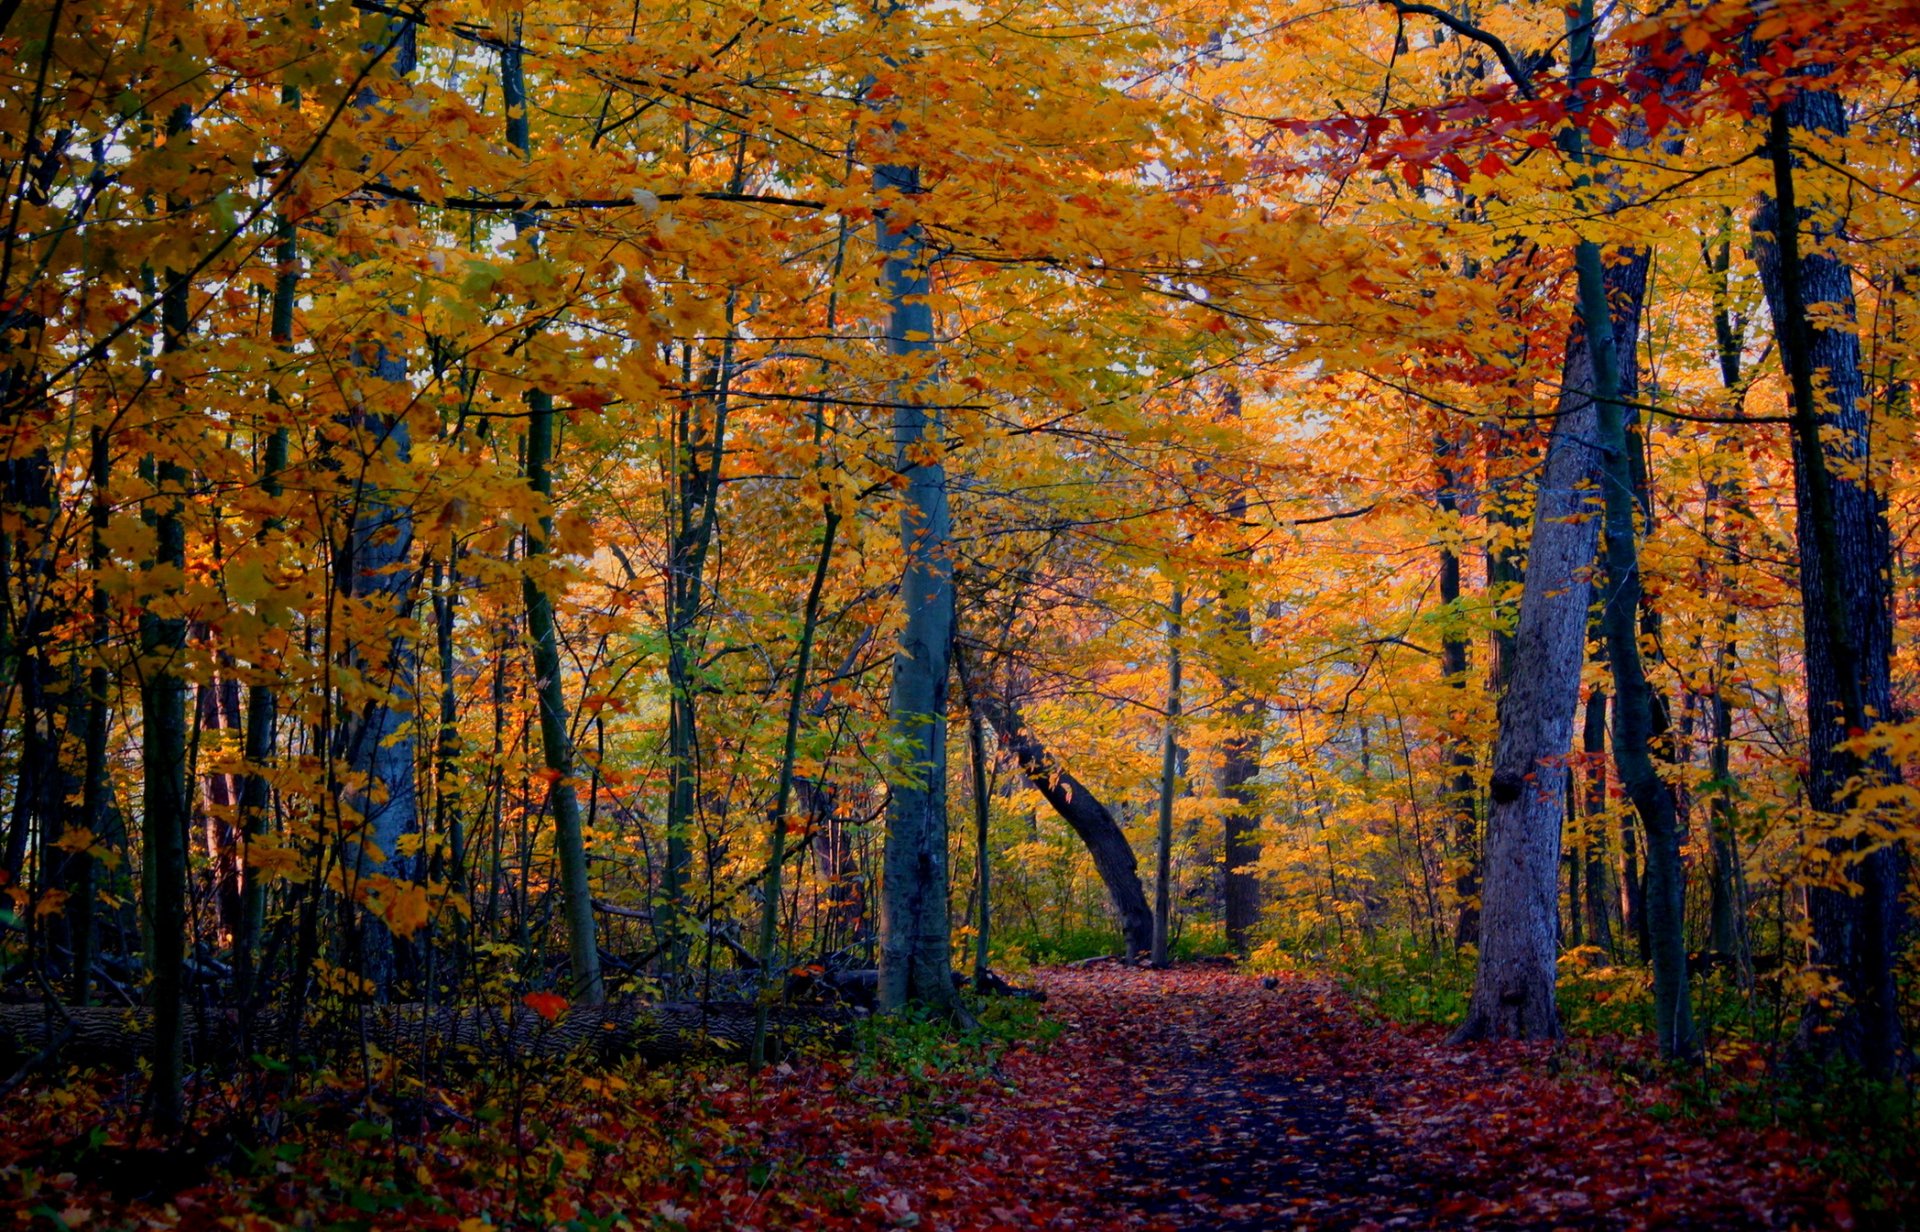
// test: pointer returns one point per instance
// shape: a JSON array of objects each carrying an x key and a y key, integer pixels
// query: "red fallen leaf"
[{"x": 549, "y": 1005}]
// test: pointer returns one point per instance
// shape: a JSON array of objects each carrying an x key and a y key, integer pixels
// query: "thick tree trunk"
[
  {"x": 1113, "y": 857},
  {"x": 1845, "y": 559},
  {"x": 1513, "y": 996},
  {"x": 914, "y": 933}
]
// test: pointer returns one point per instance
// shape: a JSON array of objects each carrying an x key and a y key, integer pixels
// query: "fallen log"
[{"x": 665, "y": 1031}]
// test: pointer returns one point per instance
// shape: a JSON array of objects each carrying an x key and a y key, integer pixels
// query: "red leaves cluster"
[{"x": 1724, "y": 59}]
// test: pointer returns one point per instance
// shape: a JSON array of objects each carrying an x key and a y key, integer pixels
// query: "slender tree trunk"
[
  {"x": 1464, "y": 821},
  {"x": 556, "y": 736},
  {"x": 1169, "y": 781},
  {"x": 163, "y": 751},
  {"x": 1845, "y": 559},
  {"x": 1601, "y": 905},
  {"x": 217, "y": 706},
  {"x": 256, "y": 795},
  {"x": 983, "y": 853},
  {"x": 1240, "y": 748},
  {"x": 783, "y": 795},
  {"x": 1727, "y": 900},
  {"x": 1633, "y": 704}
]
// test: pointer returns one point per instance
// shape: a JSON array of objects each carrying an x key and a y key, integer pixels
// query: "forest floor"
[
  {"x": 1192, "y": 1098},
  {"x": 1222, "y": 1104}
]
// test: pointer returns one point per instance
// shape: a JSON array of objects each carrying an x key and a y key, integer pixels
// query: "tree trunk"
[
  {"x": 1845, "y": 560},
  {"x": 1464, "y": 822},
  {"x": 983, "y": 854},
  {"x": 377, "y": 743},
  {"x": 1513, "y": 996},
  {"x": 163, "y": 753},
  {"x": 783, "y": 793},
  {"x": 256, "y": 794},
  {"x": 1169, "y": 781},
  {"x": 1727, "y": 899},
  {"x": 556, "y": 737},
  {"x": 1602, "y": 906},
  {"x": 914, "y": 934},
  {"x": 1634, "y": 703},
  {"x": 1079, "y": 808}
]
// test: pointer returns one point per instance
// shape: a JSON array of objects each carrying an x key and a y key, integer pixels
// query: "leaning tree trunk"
[
  {"x": 1845, "y": 559},
  {"x": 914, "y": 935},
  {"x": 1513, "y": 995},
  {"x": 1113, "y": 857}
]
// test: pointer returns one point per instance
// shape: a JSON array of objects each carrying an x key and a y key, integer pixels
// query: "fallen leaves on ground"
[{"x": 1189, "y": 1098}]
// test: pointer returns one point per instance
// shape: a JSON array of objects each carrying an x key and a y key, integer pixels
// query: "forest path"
[{"x": 1208, "y": 1101}]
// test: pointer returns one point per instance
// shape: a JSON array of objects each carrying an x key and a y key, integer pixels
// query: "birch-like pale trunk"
[{"x": 914, "y": 930}]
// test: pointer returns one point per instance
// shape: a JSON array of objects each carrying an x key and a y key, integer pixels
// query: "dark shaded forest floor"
[
  {"x": 1193, "y": 1098},
  {"x": 1226, "y": 1105}
]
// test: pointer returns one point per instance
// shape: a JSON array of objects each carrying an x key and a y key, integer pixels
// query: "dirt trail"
[{"x": 1210, "y": 1102}]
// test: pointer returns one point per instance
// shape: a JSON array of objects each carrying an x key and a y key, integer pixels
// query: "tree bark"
[
  {"x": 163, "y": 754},
  {"x": 1113, "y": 857},
  {"x": 1464, "y": 827},
  {"x": 1169, "y": 782},
  {"x": 1634, "y": 703},
  {"x": 1602, "y": 906},
  {"x": 914, "y": 933},
  {"x": 1845, "y": 559},
  {"x": 1513, "y": 996},
  {"x": 556, "y": 737},
  {"x": 377, "y": 743}
]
